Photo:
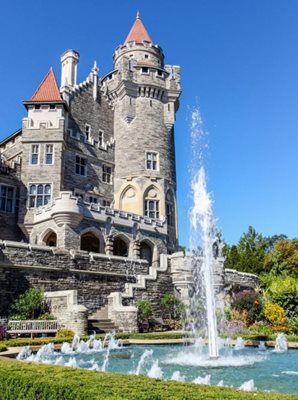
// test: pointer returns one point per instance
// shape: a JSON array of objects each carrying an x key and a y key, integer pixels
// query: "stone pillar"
[
  {"x": 109, "y": 240},
  {"x": 136, "y": 249},
  {"x": 181, "y": 275}
]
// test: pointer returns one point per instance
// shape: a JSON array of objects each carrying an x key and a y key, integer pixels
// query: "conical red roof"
[
  {"x": 138, "y": 32},
  {"x": 48, "y": 89}
]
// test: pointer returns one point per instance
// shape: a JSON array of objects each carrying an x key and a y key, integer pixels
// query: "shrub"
[
  {"x": 274, "y": 313},
  {"x": 250, "y": 301},
  {"x": 29, "y": 305},
  {"x": 65, "y": 333},
  {"x": 46, "y": 316},
  {"x": 3, "y": 347},
  {"x": 281, "y": 328},
  {"x": 173, "y": 307},
  {"x": 293, "y": 323},
  {"x": 144, "y": 310},
  {"x": 283, "y": 291},
  {"x": 242, "y": 316},
  {"x": 261, "y": 329}
]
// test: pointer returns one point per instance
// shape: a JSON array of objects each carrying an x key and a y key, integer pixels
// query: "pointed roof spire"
[
  {"x": 48, "y": 89},
  {"x": 138, "y": 32}
]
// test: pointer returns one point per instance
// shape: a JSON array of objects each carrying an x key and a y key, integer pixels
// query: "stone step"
[
  {"x": 102, "y": 313},
  {"x": 101, "y": 325}
]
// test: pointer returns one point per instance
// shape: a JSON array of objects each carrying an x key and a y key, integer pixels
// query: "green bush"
[
  {"x": 144, "y": 310},
  {"x": 25, "y": 381},
  {"x": 65, "y": 333},
  {"x": 29, "y": 305},
  {"x": 293, "y": 323},
  {"x": 3, "y": 347},
  {"x": 274, "y": 313},
  {"x": 249, "y": 301},
  {"x": 173, "y": 308}
]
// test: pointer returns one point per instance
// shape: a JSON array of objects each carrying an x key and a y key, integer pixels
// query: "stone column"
[
  {"x": 109, "y": 240},
  {"x": 136, "y": 249}
]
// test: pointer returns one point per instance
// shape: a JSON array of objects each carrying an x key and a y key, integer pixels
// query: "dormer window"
[
  {"x": 37, "y": 107},
  {"x": 87, "y": 132},
  {"x": 52, "y": 107}
]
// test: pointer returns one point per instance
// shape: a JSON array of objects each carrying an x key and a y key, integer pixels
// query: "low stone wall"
[
  {"x": 94, "y": 276},
  {"x": 234, "y": 279}
]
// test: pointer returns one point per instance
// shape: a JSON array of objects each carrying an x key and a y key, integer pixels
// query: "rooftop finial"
[{"x": 138, "y": 15}]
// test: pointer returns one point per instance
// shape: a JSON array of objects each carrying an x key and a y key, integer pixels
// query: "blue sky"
[{"x": 239, "y": 62}]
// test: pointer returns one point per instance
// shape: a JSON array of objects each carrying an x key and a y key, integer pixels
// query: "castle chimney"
[{"x": 69, "y": 62}]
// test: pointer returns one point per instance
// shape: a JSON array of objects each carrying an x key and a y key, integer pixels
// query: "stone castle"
[{"x": 88, "y": 185}]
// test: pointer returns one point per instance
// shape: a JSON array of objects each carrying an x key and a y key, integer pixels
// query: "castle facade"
[{"x": 93, "y": 166}]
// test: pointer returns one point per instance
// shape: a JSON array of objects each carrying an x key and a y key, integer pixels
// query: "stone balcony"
[{"x": 70, "y": 210}]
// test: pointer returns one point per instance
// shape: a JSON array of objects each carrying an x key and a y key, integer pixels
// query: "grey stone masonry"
[{"x": 240, "y": 279}]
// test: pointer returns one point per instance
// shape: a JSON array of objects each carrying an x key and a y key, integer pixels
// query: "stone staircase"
[{"x": 100, "y": 323}]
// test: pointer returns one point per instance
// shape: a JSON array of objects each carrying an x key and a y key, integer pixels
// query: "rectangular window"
[
  {"x": 145, "y": 70},
  {"x": 170, "y": 214},
  {"x": 34, "y": 154},
  {"x": 106, "y": 174},
  {"x": 100, "y": 138},
  {"x": 106, "y": 203},
  {"x": 152, "y": 209},
  {"x": 6, "y": 198},
  {"x": 39, "y": 194},
  {"x": 81, "y": 166},
  {"x": 88, "y": 132},
  {"x": 152, "y": 161},
  {"x": 49, "y": 153},
  {"x": 92, "y": 199}
]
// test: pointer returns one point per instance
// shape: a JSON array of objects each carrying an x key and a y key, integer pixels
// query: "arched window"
[
  {"x": 120, "y": 247},
  {"x": 90, "y": 242},
  {"x": 146, "y": 252},
  {"x": 50, "y": 239}
]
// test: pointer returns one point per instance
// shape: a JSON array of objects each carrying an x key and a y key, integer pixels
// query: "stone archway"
[
  {"x": 146, "y": 252},
  {"x": 50, "y": 239},
  {"x": 120, "y": 247},
  {"x": 90, "y": 242}
]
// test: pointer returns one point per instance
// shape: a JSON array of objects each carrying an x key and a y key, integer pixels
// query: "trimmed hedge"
[
  {"x": 25, "y": 381},
  {"x": 3, "y": 347}
]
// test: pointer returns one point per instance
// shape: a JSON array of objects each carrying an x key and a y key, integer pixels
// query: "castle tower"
[{"x": 144, "y": 93}]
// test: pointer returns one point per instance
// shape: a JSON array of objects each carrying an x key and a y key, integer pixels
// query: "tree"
[
  {"x": 29, "y": 305},
  {"x": 283, "y": 258},
  {"x": 172, "y": 306},
  {"x": 249, "y": 254}
]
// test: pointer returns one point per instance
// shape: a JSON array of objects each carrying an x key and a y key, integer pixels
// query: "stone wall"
[
  {"x": 236, "y": 279},
  {"x": 94, "y": 276}
]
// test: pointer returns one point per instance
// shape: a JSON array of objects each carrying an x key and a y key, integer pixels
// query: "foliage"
[
  {"x": 65, "y": 333},
  {"x": 232, "y": 327},
  {"x": 274, "y": 313},
  {"x": 248, "y": 255},
  {"x": 3, "y": 347},
  {"x": 3, "y": 332},
  {"x": 173, "y": 307},
  {"x": 47, "y": 382},
  {"x": 144, "y": 310},
  {"x": 249, "y": 301},
  {"x": 281, "y": 328},
  {"x": 260, "y": 328},
  {"x": 29, "y": 305},
  {"x": 173, "y": 324},
  {"x": 293, "y": 323},
  {"x": 242, "y": 316},
  {"x": 282, "y": 291},
  {"x": 283, "y": 259},
  {"x": 46, "y": 316}
]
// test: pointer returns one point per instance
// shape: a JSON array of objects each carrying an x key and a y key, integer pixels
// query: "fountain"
[
  {"x": 281, "y": 344},
  {"x": 203, "y": 232}
]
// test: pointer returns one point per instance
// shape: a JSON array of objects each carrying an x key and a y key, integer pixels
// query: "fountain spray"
[{"x": 203, "y": 233}]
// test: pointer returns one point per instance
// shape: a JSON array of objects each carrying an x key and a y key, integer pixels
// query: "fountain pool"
[{"x": 245, "y": 368}]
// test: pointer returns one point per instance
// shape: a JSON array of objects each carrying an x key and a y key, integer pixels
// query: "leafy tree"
[
  {"x": 29, "y": 305},
  {"x": 249, "y": 254},
  {"x": 283, "y": 258}
]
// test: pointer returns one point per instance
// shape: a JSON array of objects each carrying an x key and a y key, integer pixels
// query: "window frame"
[
  {"x": 35, "y": 153},
  {"x": 87, "y": 134},
  {"x": 13, "y": 198},
  {"x": 106, "y": 174},
  {"x": 155, "y": 210},
  {"x": 80, "y": 165},
  {"x": 147, "y": 153},
  {"x": 36, "y": 194},
  {"x": 46, "y": 154}
]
